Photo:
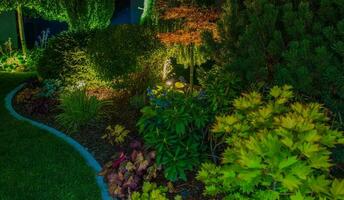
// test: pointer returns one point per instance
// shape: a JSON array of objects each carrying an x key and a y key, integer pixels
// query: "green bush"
[
  {"x": 65, "y": 58},
  {"x": 115, "y": 51},
  {"x": 173, "y": 126},
  {"x": 79, "y": 110},
  {"x": 285, "y": 42},
  {"x": 12, "y": 60},
  {"x": 276, "y": 149},
  {"x": 80, "y": 15},
  {"x": 85, "y": 15}
]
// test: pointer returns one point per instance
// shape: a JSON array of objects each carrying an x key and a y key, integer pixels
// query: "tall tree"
[{"x": 21, "y": 30}]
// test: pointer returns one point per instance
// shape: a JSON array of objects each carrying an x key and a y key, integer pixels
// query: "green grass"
[{"x": 35, "y": 165}]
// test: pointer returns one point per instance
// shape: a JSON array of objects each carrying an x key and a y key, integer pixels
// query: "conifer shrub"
[
  {"x": 299, "y": 43},
  {"x": 276, "y": 149}
]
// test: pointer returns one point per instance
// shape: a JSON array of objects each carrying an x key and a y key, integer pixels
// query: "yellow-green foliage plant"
[
  {"x": 150, "y": 191},
  {"x": 276, "y": 149},
  {"x": 115, "y": 135}
]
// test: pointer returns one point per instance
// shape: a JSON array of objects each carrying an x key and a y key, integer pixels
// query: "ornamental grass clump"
[
  {"x": 276, "y": 149},
  {"x": 79, "y": 109}
]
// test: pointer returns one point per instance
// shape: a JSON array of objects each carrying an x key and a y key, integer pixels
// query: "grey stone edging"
[{"x": 91, "y": 161}]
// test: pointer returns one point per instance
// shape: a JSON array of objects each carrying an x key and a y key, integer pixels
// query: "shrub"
[
  {"x": 276, "y": 149},
  {"x": 173, "y": 126},
  {"x": 65, "y": 59},
  {"x": 79, "y": 110},
  {"x": 290, "y": 42},
  {"x": 80, "y": 15},
  {"x": 84, "y": 15},
  {"x": 115, "y": 51}
]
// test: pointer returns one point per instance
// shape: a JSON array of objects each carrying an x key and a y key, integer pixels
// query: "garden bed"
[{"x": 121, "y": 112}]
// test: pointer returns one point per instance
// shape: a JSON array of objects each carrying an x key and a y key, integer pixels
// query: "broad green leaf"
[
  {"x": 320, "y": 161},
  {"x": 312, "y": 136},
  {"x": 180, "y": 128},
  {"x": 309, "y": 149},
  {"x": 291, "y": 182},
  {"x": 249, "y": 175},
  {"x": 301, "y": 170},
  {"x": 288, "y": 122},
  {"x": 297, "y": 196},
  {"x": 287, "y": 162},
  {"x": 251, "y": 162},
  {"x": 337, "y": 188},
  {"x": 318, "y": 184}
]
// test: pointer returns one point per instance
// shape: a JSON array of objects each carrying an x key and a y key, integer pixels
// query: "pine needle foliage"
[{"x": 295, "y": 42}]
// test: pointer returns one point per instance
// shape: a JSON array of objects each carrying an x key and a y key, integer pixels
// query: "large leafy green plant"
[
  {"x": 79, "y": 110},
  {"x": 173, "y": 125},
  {"x": 276, "y": 149}
]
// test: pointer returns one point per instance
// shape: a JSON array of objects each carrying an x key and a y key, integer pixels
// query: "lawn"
[{"x": 36, "y": 165}]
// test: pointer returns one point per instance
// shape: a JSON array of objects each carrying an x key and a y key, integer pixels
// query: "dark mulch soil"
[{"x": 120, "y": 112}]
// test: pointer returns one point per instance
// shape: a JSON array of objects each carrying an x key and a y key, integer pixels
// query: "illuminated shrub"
[
  {"x": 276, "y": 149},
  {"x": 80, "y": 15},
  {"x": 85, "y": 15},
  {"x": 115, "y": 51},
  {"x": 65, "y": 58}
]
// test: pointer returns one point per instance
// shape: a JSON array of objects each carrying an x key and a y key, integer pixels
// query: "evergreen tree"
[{"x": 297, "y": 42}]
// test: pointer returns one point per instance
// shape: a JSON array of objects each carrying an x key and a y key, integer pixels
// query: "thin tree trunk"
[
  {"x": 192, "y": 66},
  {"x": 21, "y": 30}
]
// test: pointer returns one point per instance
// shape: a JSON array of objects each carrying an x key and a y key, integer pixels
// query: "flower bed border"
[{"x": 90, "y": 160}]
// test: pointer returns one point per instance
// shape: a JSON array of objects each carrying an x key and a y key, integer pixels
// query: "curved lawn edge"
[{"x": 91, "y": 161}]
